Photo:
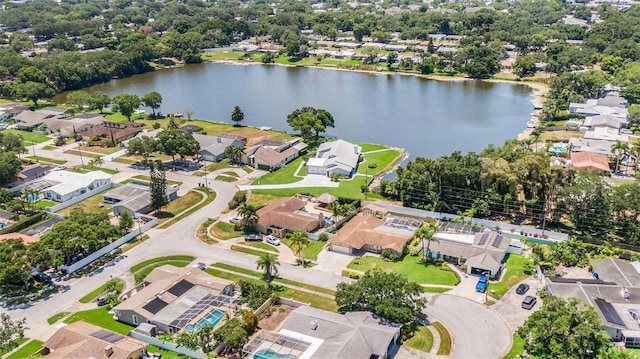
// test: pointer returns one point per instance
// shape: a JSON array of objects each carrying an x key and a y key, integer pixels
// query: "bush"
[
  {"x": 238, "y": 226},
  {"x": 414, "y": 252},
  {"x": 254, "y": 293},
  {"x": 238, "y": 199},
  {"x": 390, "y": 255},
  {"x": 354, "y": 275},
  {"x": 323, "y": 237}
]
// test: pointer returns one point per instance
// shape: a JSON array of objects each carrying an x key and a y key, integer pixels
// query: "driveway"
[
  {"x": 476, "y": 330},
  {"x": 467, "y": 287},
  {"x": 509, "y": 306},
  {"x": 332, "y": 262}
]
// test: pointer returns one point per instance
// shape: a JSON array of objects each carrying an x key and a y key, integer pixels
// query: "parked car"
[
  {"x": 529, "y": 302},
  {"x": 234, "y": 220},
  {"x": 200, "y": 266},
  {"x": 482, "y": 284},
  {"x": 271, "y": 239},
  {"x": 41, "y": 277},
  {"x": 3, "y": 127},
  {"x": 253, "y": 237},
  {"x": 60, "y": 168},
  {"x": 522, "y": 288}
]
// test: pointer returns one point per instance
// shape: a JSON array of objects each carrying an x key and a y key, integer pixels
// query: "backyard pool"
[
  {"x": 210, "y": 319},
  {"x": 270, "y": 354}
]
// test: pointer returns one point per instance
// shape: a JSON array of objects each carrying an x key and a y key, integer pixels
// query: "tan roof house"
[
  {"x": 590, "y": 161},
  {"x": 271, "y": 155},
  {"x": 369, "y": 233},
  {"x": 84, "y": 340},
  {"x": 285, "y": 215}
]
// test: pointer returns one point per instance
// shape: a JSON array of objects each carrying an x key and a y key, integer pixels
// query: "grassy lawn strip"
[
  {"x": 379, "y": 159},
  {"x": 517, "y": 349},
  {"x": 367, "y": 147},
  {"x": 247, "y": 250},
  {"x": 148, "y": 179},
  {"x": 276, "y": 279},
  {"x": 422, "y": 339},
  {"x": 141, "y": 265},
  {"x": 101, "y": 318},
  {"x": 247, "y": 169},
  {"x": 311, "y": 251},
  {"x": 178, "y": 205},
  {"x": 32, "y": 138},
  {"x": 100, "y": 150},
  {"x": 54, "y": 318},
  {"x": 224, "y": 231},
  {"x": 225, "y": 178},
  {"x": 47, "y": 160},
  {"x": 145, "y": 272},
  {"x": 89, "y": 205},
  {"x": 514, "y": 275},
  {"x": 211, "y": 196},
  {"x": 96, "y": 292},
  {"x": 12, "y": 345},
  {"x": 411, "y": 267},
  {"x": 230, "y": 174},
  {"x": 166, "y": 354},
  {"x": 445, "y": 339},
  {"x": 27, "y": 350},
  {"x": 261, "y": 200},
  {"x": 347, "y": 188},
  {"x": 314, "y": 300},
  {"x": 265, "y": 246},
  {"x": 435, "y": 289},
  {"x": 85, "y": 169},
  {"x": 44, "y": 203},
  {"x": 283, "y": 175}
]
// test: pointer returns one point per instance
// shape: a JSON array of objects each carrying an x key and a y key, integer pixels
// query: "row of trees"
[
  {"x": 126, "y": 104},
  {"x": 171, "y": 142}
]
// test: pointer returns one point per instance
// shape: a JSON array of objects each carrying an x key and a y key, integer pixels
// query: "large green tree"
[
  {"x": 10, "y": 166},
  {"x": 79, "y": 99},
  {"x": 34, "y": 91},
  {"x": 11, "y": 329},
  {"x": 99, "y": 100},
  {"x": 126, "y": 103},
  {"x": 143, "y": 146},
  {"x": 153, "y": 100},
  {"x": 564, "y": 329},
  {"x": 389, "y": 295},
  {"x": 177, "y": 142},
  {"x": 310, "y": 121},
  {"x": 269, "y": 263},
  {"x": 157, "y": 186}
]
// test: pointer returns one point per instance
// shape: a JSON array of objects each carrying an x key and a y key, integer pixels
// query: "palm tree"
[
  {"x": 635, "y": 151},
  {"x": 426, "y": 232},
  {"x": 98, "y": 161},
  {"x": 335, "y": 209},
  {"x": 619, "y": 149},
  {"x": 269, "y": 263},
  {"x": 249, "y": 213},
  {"x": 234, "y": 154},
  {"x": 299, "y": 241},
  {"x": 237, "y": 115}
]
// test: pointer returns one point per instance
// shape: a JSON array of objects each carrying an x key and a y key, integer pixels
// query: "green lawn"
[
  {"x": 47, "y": 160},
  {"x": 147, "y": 178},
  {"x": 29, "y": 137},
  {"x": 366, "y": 147},
  {"x": 96, "y": 292},
  {"x": 93, "y": 204},
  {"x": 101, "y": 318},
  {"x": 347, "y": 188},
  {"x": 221, "y": 55},
  {"x": 54, "y": 318},
  {"x": 179, "y": 205},
  {"x": 148, "y": 262},
  {"x": 283, "y": 175},
  {"x": 224, "y": 231},
  {"x": 166, "y": 354},
  {"x": 211, "y": 196},
  {"x": 378, "y": 159},
  {"x": 435, "y": 289},
  {"x": 411, "y": 267},
  {"x": 246, "y": 250},
  {"x": 514, "y": 275},
  {"x": 261, "y": 245},
  {"x": 517, "y": 349},
  {"x": 445, "y": 339},
  {"x": 87, "y": 168},
  {"x": 422, "y": 340},
  {"x": 311, "y": 251},
  {"x": 27, "y": 350},
  {"x": 226, "y": 178},
  {"x": 261, "y": 200},
  {"x": 44, "y": 203},
  {"x": 12, "y": 345}
]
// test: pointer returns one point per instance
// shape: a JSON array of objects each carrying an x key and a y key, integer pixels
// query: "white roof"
[
  {"x": 339, "y": 153},
  {"x": 315, "y": 161},
  {"x": 457, "y": 237},
  {"x": 72, "y": 181}
]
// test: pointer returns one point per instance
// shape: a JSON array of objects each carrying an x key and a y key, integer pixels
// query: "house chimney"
[
  {"x": 625, "y": 293},
  {"x": 108, "y": 350},
  {"x": 314, "y": 324}
]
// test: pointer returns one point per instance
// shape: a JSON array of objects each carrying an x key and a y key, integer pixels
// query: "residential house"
[
  {"x": 134, "y": 198},
  {"x": 30, "y": 119},
  {"x": 590, "y": 161},
  {"x": 30, "y": 173},
  {"x": 592, "y": 108},
  {"x": 8, "y": 111},
  {"x": 483, "y": 251},
  {"x": 66, "y": 184},
  {"x": 286, "y": 215},
  {"x": 212, "y": 148},
  {"x": 84, "y": 340},
  {"x": 272, "y": 155},
  {"x": 318, "y": 334},
  {"x": 335, "y": 158},
  {"x": 605, "y": 121},
  {"x": 75, "y": 124},
  {"x": 613, "y": 290},
  {"x": 174, "y": 299},
  {"x": 602, "y": 147},
  {"x": 606, "y": 134},
  {"x": 369, "y": 233},
  {"x": 117, "y": 132}
]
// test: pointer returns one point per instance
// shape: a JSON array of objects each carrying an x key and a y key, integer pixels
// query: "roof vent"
[
  {"x": 314, "y": 324},
  {"x": 625, "y": 293},
  {"x": 108, "y": 350}
]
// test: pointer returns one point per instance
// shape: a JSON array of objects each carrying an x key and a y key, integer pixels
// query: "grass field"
[
  {"x": 27, "y": 350},
  {"x": 179, "y": 205},
  {"x": 96, "y": 292},
  {"x": 422, "y": 339},
  {"x": 517, "y": 349},
  {"x": 261, "y": 245},
  {"x": 380, "y": 160},
  {"x": 224, "y": 231},
  {"x": 445, "y": 339},
  {"x": 411, "y": 267},
  {"x": 366, "y": 147},
  {"x": 54, "y": 318},
  {"x": 12, "y": 345},
  {"x": 44, "y": 203},
  {"x": 347, "y": 188},
  {"x": 101, "y": 318},
  {"x": 89, "y": 205},
  {"x": 222, "y": 55},
  {"x": 30, "y": 138},
  {"x": 514, "y": 275},
  {"x": 283, "y": 175},
  {"x": 210, "y": 197},
  {"x": 151, "y": 261},
  {"x": 246, "y": 250},
  {"x": 311, "y": 251},
  {"x": 47, "y": 160},
  {"x": 261, "y": 200}
]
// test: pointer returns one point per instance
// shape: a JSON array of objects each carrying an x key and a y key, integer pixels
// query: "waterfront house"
[
  {"x": 212, "y": 148},
  {"x": 272, "y": 155},
  {"x": 335, "y": 158},
  {"x": 116, "y": 132}
]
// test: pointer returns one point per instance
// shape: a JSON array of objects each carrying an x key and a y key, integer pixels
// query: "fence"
[
  {"x": 27, "y": 297},
  {"x": 80, "y": 198},
  {"x": 168, "y": 346},
  {"x": 111, "y": 246}
]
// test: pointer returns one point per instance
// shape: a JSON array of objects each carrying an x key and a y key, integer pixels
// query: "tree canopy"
[
  {"x": 310, "y": 121},
  {"x": 177, "y": 142},
  {"x": 126, "y": 104}
]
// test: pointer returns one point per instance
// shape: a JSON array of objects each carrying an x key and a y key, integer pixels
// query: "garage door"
[{"x": 340, "y": 249}]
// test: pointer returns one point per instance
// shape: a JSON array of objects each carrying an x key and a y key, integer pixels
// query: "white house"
[
  {"x": 337, "y": 157},
  {"x": 70, "y": 184}
]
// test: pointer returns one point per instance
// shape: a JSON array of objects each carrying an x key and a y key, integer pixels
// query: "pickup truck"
[
  {"x": 481, "y": 286},
  {"x": 253, "y": 237}
]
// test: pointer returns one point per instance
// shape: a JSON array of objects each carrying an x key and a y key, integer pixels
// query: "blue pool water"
[
  {"x": 557, "y": 149},
  {"x": 210, "y": 319},
  {"x": 270, "y": 354},
  {"x": 327, "y": 219}
]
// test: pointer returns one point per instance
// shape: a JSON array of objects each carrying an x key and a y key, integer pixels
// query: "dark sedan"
[{"x": 522, "y": 288}]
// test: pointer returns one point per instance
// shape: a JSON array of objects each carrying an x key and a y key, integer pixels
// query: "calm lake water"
[{"x": 428, "y": 118}]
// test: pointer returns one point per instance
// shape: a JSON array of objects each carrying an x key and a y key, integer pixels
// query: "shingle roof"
[
  {"x": 339, "y": 153},
  {"x": 590, "y": 160},
  {"x": 364, "y": 230},
  {"x": 285, "y": 213}
]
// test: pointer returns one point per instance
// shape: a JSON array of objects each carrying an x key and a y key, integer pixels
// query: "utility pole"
[
  {"x": 366, "y": 182},
  {"x": 206, "y": 182}
]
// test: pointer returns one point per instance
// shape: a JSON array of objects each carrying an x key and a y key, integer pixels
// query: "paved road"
[{"x": 478, "y": 332}]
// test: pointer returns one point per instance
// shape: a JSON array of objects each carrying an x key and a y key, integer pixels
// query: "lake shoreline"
[{"x": 539, "y": 90}]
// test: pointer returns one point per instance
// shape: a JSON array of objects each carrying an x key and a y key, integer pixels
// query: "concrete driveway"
[
  {"x": 477, "y": 331},
  {"x": 509, "y": 307},
  {"x": 467, "y": 287},
  {"x": 332, "y": 262}
]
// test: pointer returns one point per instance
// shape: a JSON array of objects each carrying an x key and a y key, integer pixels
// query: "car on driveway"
[
  {"x": 522, "y": 288},
  {"x": 60, "y": 168},
  {"x": 529, "y": 302},
  {"x": 234, "y": 220},
  {"x": 273, "y": 240},
  {"x": 253, "y": 238}
]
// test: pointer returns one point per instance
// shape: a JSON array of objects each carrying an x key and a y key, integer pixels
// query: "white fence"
[
  {"x": 80, "y": 198},
  {"x": 167, "y": 346},
  {"x": 110, "y": 247}
]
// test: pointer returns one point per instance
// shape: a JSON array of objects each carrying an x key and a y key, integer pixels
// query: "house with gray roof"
[
  {"x": 134, "y": 198},
  {"x": 271, "y": 155},
  {"x": 605, "y": 121},
  {"x": 318, "y": 334},
  {"x": 338, "y": 157},
  {"x": 212, "y": 148}
]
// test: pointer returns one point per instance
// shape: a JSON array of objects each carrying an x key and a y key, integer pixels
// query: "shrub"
[
  {"x": 323, "y": 237},
  {"x": 254, "y": 293},
  {"x": 354, "y": 275},
  {"x": 414, "y": 252},
  {"x": 237, "y": 226},
  {"x": 238, "y": 199},
  {"x": 390, "y": 255}
]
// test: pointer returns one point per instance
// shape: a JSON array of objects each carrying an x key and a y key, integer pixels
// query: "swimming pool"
[
  {"x": 558, "y": 149},
  {"x": 270, "y": 354},
  {"x": 327, "y": 219},
  {"x": 210, "y": 319}
]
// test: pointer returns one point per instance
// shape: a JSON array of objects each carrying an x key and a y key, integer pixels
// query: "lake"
[{"x": 428, "y": 118}]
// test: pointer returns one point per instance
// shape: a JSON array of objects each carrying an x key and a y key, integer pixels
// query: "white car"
[
  {"x": 60, "y": 168},
  {"x": 271, "y": 239}
]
